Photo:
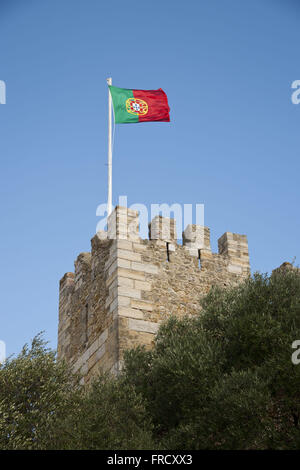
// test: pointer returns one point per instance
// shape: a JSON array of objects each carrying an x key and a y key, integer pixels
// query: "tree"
[
  {"x": 34, "y": 390},
  {"x": 111, "y": 416},
  {"x": 43, "y": 406},
  {"x": 224, "y": 379}
]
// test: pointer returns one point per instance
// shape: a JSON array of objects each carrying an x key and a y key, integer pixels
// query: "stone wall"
[{"x": 126, "y": 286}]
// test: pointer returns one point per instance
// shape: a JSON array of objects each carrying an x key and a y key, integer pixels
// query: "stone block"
[
  {"x": 123, "y": 281},
  {"x": 162, "y": 228},
  {"x": 123, "y": 301},
  {"x": 119, "y": 263},
  {"x": 147, "y": 268},
  {"x": 130, "y": 313},
  {"x": 128, "y": 292},
  {"x": 196, "y": 237},
  {"x": 100, "y": 352},
  {"x": 130, "y": 274},
  {"x": 234, "y": 268},
  {"x": 128, "y": 255},
  {"x": 142, "y": 305},
  {"x": 142, "y": 285},
  {"x": 142, "y": 325}
]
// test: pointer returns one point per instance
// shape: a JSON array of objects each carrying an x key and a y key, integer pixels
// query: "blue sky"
[{"x": 232, "y": 144}]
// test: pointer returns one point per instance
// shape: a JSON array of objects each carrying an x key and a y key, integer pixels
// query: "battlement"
[{"x": 122, "y": 290}]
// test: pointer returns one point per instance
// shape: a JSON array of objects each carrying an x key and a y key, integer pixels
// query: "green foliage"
[
  {"x": 111, "y": 416},
  {"x": 224, "y": 379},
  {"x": 34, "y": 390},
  {"x": 176, "y": 376},
  {"x": 42, "y": 406}
]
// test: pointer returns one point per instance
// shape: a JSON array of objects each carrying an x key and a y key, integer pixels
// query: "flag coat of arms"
[{"x": 132, "y": 106}]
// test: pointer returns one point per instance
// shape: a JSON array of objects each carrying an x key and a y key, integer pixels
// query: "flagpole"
[{"x": 109, "y": 164}]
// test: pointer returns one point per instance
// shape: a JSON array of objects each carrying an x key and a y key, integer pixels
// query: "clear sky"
[{"x": 232, "y": 144}]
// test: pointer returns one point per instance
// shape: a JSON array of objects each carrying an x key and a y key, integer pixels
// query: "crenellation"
[
  {"x": 66, "y": 289},
  {"x": 82, "y": 269},
  {"x": 122, "y": 290},
  {"x": 196, "y": 237},
  {"x": 123, "y": 223},
  {"x": 67, "y": 281},
  {"x": 163, "y": 228},
  {"x": 235, "y": 247}
]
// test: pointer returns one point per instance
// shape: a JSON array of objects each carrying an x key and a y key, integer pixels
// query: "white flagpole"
[{"x": 109, "y": 165}]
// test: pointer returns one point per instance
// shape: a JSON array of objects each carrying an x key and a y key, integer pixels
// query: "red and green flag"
[{"x": 139, "y": 105}]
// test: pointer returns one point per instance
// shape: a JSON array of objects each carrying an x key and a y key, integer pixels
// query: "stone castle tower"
[{"x": 126, "y": 286}]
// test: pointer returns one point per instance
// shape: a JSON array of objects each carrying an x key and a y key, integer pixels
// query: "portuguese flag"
[{"x": 139, "y": 105}]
